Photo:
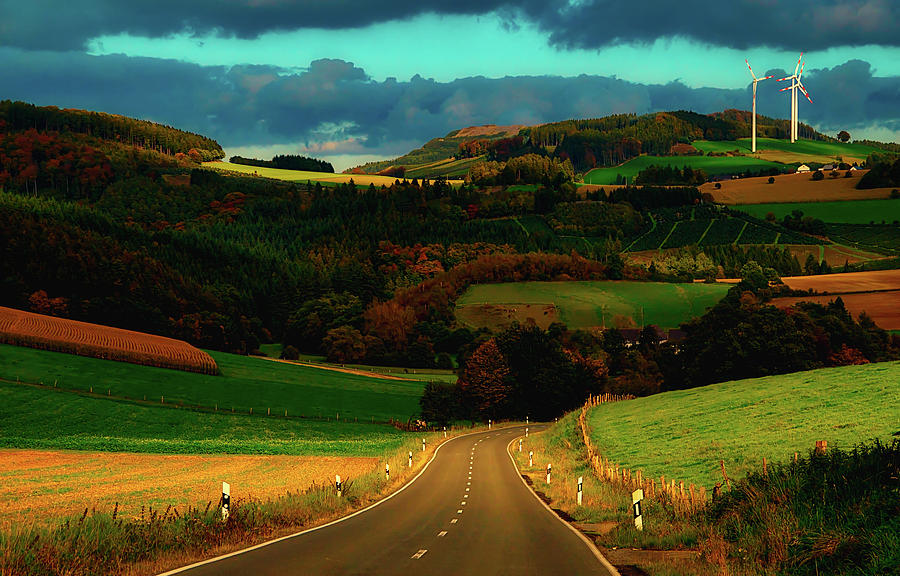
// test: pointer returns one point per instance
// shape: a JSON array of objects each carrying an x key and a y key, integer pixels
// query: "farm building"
[{"x": 802, "y": 168}]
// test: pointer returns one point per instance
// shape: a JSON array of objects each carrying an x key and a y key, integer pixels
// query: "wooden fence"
[{"x": 683, "y": 500}]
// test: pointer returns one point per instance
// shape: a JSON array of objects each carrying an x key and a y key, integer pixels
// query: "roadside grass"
[
  {"x": 596, "y": 303},
  {"x": 105, "y": 542},
  {"x": 712, "y": 165},
  {"x": 847, "y": 212},
  {"x": 684, "y": 434},
  {"x": 244, "y": 383}
]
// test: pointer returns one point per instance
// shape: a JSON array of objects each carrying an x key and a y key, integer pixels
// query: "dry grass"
[
  {"x": 38, "y": 487},
  {"x": 847, "y": 282},
  {"x": 880, "y": 306},
  {"x": 792, "y": 188},
  {"x": 22, "y": 328}
]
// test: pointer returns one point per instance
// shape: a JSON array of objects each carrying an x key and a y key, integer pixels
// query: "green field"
[
  {"x": 827, "y": 150},
  {"x": 52, "y": 419},
  {"x": 244, "y": 383},
  {"x": 845, "y": 212},
  {"x": 587, "y": 304},
  {"x": 683, "y": 434},
  {"x": 710, "y": 164}
]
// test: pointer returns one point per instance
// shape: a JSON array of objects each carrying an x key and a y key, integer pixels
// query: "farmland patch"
[
  {"x": 791, "y": 188},
  {"x": 847, "y": 282},
  {"x": 712, "y": 165},
  {"x": 882, "y": 307},
  {"x": 846, "y": 212}
]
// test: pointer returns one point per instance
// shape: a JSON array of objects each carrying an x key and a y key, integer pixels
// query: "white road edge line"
[
  {"x": 609, "y": 567},
  {"x": 313, "y": 529}
]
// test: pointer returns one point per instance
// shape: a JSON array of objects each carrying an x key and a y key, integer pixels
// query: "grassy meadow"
[
  {"x": 304, "y": 175},
  {"x": 587, "y": 304},
  {"x": 683, "y": 434},
  {"x": 245, "y": 383},
  {"x": 847, "y": 212},
  {"x": 712, "y": 165},
  {"x": 787, "y": 152}
]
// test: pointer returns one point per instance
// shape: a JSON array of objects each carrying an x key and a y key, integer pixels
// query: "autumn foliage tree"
[{"x": 484, "y": 382}]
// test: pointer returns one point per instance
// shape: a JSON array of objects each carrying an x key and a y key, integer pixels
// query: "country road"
[{"x": 468, "y": 513}]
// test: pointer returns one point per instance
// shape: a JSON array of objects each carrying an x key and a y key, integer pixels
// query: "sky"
[{"x": 352, "y": 81}]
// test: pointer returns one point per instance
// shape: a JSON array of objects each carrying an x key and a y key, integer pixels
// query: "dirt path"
[{"x": 366, "y": 373}]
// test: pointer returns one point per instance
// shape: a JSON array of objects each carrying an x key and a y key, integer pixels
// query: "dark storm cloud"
[
  {"x": 794, "y": 24},
  {"x": 334, "y": 100}
]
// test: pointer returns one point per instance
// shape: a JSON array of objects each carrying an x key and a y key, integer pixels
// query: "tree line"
[{"x": 287, "y": 162}]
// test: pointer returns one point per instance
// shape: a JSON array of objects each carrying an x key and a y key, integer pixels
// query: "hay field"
[
  {"x": 304, "y": 176},
  {"x": 876, "y": 280},
  {"x": 882, "y": 307},
  {"x": 42, "y": 486},
  {"x": 683, "y": 434},
  {"x": 792, "y": 188},
  {"x": 22, "y": 328}
]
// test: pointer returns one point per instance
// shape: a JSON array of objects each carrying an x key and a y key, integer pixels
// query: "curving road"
[{"x": 468, "y": 513}]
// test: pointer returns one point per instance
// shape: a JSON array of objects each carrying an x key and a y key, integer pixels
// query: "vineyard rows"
[
  {"x": 21, "y": 328},
  {"x": 714, "y": 231}
]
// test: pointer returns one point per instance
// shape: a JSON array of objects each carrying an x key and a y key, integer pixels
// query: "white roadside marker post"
[
  {"x": 445, "y": 431},
  {"x": 526, "y": 431},
  {"x": 410, "y": 459},
  {"x": 520, "y": 444},
  {"x": 549, "y": 466},
  {"x": 423, "y": 444},
  {"x": 526, "y": 419},
  {"x": 387, "y": 471},
  {"x": 530, "y": 458},
  {"x": 580, "y": 488},
  {"x": 337, "y": 484},
  {"x": 226, "y": 500},
  {"x": 490, "y": 422},
  {"x": 636, "y": 498}
]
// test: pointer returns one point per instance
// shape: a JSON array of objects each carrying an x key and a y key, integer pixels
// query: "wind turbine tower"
[
  {"x": 795, "y": 85},
  {"x": 755, "y": 82}
]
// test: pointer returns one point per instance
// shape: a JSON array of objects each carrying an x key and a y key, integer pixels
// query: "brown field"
[
  {"x": 492, "y": 316},
  {"x": 39, "y": 487},
  {"x": 881, "y": 306},
  {"x": 489, "y": 130},
  {"x": 22, "y": 328},
  {"x": 791, "y": 188},
  {"x": 880, "y": 280}
]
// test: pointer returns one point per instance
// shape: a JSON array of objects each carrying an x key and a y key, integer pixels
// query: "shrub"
[
  {"x": 771, "y": 179},
  {"x": 290, "y": 353},
  {"x": 818, "y": 175}
]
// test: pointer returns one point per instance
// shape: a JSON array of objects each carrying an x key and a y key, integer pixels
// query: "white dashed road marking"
[
  {"x": 454, "y": 521},
  {"x": 442, "y": 533},
  {"x": 419, "y": 554}
]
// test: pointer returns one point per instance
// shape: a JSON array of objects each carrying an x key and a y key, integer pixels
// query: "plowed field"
[
  {"x": 879, "y": 280},
  {"x": 42, "y": 486},
  {"x": 792, "y": 188},
  {"x": 22, "y": 328},
  {"x": 883, "y": 307}
]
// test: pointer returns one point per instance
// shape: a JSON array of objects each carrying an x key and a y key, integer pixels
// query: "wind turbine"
[
  {"x": 755, "y": 81},
  {"x": 795, "y": 84}
]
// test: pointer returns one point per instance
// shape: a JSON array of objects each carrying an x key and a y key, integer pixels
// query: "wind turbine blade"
[
  {"x": 766, "y": 78},
  {"x": 797, "y": 67},
  {"x": 785, "y": 78},
  {"x": 805, "y": 93},
  {"x": 801, "y": 71},
  {"x": 785, "y": 89},
  {"x": 749, "y": 68}
]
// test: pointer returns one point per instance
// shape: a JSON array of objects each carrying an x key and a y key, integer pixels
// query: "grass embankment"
[
  {"x": 712, "y": 165},
  {"x": 849, "y": 212},
  {"x": 684, "y": 434},
  {"x": 106, "y": 542},
  {"x": 244, "y": 383},
  {"x": 587, "y": 304}
]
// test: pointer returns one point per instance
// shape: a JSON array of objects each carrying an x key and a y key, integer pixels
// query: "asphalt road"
[{"x": 468, "y": 513}]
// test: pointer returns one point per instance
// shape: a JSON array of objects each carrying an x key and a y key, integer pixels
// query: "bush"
[
  {"x": 290, "y": 353},
  {"x": 818, "y": 175},
  {"x": 771, "y": 179},
  {"x": 895, "y": 194},
  {"x": 444, "y": 361}
]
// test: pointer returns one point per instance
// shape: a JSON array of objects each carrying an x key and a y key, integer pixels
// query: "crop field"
[
  {"x": 710, "y": 164},
  {"x": 448, "y": 168},
  {"x": 834, "y": 254},
  {"x": 882, "y": 307},
  {"x": 43, "y": 486},
  {"x": 847, "y": 282},
  {"x": 710, "y": 232},
  {"x": 792, "y": 188},
  {"x": 847, "y": 212},
  {"x": 50, "y": 333},
  {"x": 245, "y": 383},
  {"x": 683, "y": 434},
  {"x": 784, "y": 151},
  {"x": 881, "y": 238},
  {"x": 44, "y": 418},
  {"x": 302, "y": 175},
  {"x": 588, "y": 304}
]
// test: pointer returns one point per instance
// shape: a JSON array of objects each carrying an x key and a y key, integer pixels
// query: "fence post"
[
  {"x": 821, "y": 446},
  {"x": 725, "y": 474}
]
